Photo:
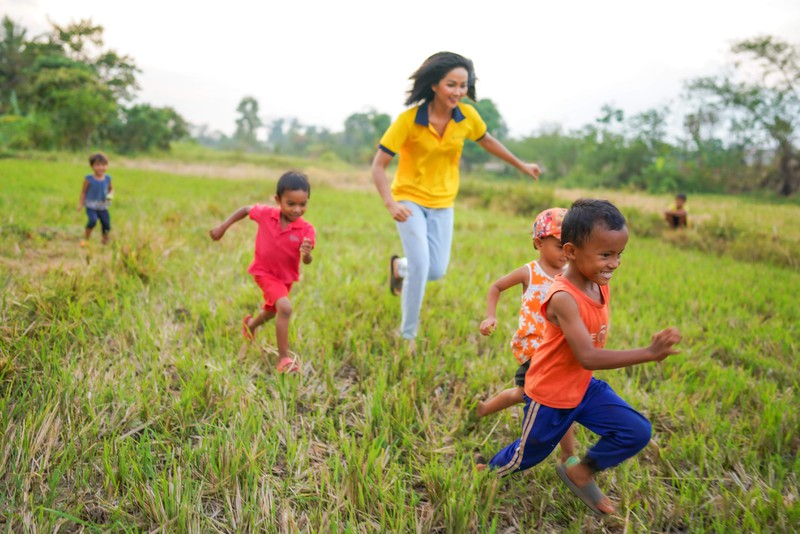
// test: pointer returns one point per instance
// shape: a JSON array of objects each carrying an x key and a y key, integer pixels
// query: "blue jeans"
[
  {"x": 427, "y": 237},
  {"x": 105, "y": 219}
]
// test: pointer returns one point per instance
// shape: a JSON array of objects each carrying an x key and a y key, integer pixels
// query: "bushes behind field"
[
  {"x": 717, "y": 235},
  {"x": 722, "y": 236}
]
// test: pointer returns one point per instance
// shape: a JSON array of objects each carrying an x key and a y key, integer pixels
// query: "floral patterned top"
[{"x": 530, "y": 330}]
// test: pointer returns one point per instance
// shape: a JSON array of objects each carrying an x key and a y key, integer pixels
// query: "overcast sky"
[{"x": 322, "y": 60}]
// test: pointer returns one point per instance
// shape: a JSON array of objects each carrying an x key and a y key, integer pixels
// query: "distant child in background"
[
  {"x": 283, "y": 238},
  {"x": 677, "y": 215},
  {"x": 559, "y": 387},
  {"x": 96, "y": 196},
  {"x": 535, "y": 278}
]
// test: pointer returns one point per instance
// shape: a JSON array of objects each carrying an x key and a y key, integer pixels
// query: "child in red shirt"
[{"x": 283, "y": 238}]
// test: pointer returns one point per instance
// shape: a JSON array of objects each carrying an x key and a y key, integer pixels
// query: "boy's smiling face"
[
  {"x": 292, "y": 204},
  {"x": 597, "y": 259}
]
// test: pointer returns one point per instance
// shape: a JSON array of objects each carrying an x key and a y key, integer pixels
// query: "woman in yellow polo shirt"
[{"x": 429, "y": 138}]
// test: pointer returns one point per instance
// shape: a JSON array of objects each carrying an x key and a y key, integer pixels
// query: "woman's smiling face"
[{"x": 450, "y": 89}]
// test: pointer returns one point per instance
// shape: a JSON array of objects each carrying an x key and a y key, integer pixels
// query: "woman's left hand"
[
  {"x": 497, "y": 149},
  {"x": 532, "y": 170}
]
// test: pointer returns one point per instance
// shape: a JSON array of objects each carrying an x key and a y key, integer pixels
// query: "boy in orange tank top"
[{"x": 559, "y": 387}]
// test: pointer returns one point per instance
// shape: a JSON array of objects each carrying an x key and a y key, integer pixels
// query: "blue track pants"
[{"x": 623, "y": 431}]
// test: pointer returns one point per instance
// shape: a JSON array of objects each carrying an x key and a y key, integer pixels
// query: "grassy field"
[{"x": 129, "y": 402}]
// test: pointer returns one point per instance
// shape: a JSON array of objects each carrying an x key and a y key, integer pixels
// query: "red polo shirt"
[{"x": 278, "y": 249}]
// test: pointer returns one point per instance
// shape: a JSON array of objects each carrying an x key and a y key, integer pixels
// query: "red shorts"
[{"x": 273, "y": 290}]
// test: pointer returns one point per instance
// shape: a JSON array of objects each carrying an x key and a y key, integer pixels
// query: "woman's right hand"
[{"x": 398, "y": 211}]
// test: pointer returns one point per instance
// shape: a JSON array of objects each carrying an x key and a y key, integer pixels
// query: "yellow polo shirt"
[{"x": 427, "y": 173}]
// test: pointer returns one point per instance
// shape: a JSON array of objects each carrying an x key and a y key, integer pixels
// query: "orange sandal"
[
  {"x": 246, "y": 332},
  {"x": 288, "y": 365}
]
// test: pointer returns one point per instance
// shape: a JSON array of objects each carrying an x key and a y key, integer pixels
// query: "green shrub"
[{"x": 723, "y": 236}]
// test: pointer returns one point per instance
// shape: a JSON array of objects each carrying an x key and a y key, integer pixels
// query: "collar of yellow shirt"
[{"x": 423, "y": 120}]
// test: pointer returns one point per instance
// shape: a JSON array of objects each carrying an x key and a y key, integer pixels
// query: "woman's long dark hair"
[{"x": 433, "y": 70}]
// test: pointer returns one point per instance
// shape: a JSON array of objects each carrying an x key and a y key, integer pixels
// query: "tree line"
[
  {"x": 355, "y": 143},
  {"x": 64, "y": 90},
  {"x": 740, "y": 135}
]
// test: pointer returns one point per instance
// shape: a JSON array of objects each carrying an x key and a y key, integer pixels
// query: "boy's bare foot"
[
  {"x": 480, "y": 461},
  {"x": 480, "y": 409},
  {"x": 247, "y": 332}
]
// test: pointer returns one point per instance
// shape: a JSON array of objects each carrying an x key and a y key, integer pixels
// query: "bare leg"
[
  {"x": 260, "y": 319},
  {"x": 284, "y": 312},
  {"x": 581, "y": 475},
  {"x": 568, "y": 444},
  {"x": 87, "y": 233},
  {"x": 504, "y": 399}
]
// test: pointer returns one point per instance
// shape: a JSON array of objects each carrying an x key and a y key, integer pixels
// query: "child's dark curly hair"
[
  {"x": 98, "y": 157},
  {"x": 293, "y": 181},
  {"x": 584, "y": 215}
]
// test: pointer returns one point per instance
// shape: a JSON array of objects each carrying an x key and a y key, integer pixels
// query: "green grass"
[{"x": 129, "y": 402}]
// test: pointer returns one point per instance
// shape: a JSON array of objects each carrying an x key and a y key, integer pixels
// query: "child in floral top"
[{"x": 535, "y": 278}]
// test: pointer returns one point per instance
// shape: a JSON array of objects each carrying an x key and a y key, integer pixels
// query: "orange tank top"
[{"x": 555, "y": 378}]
